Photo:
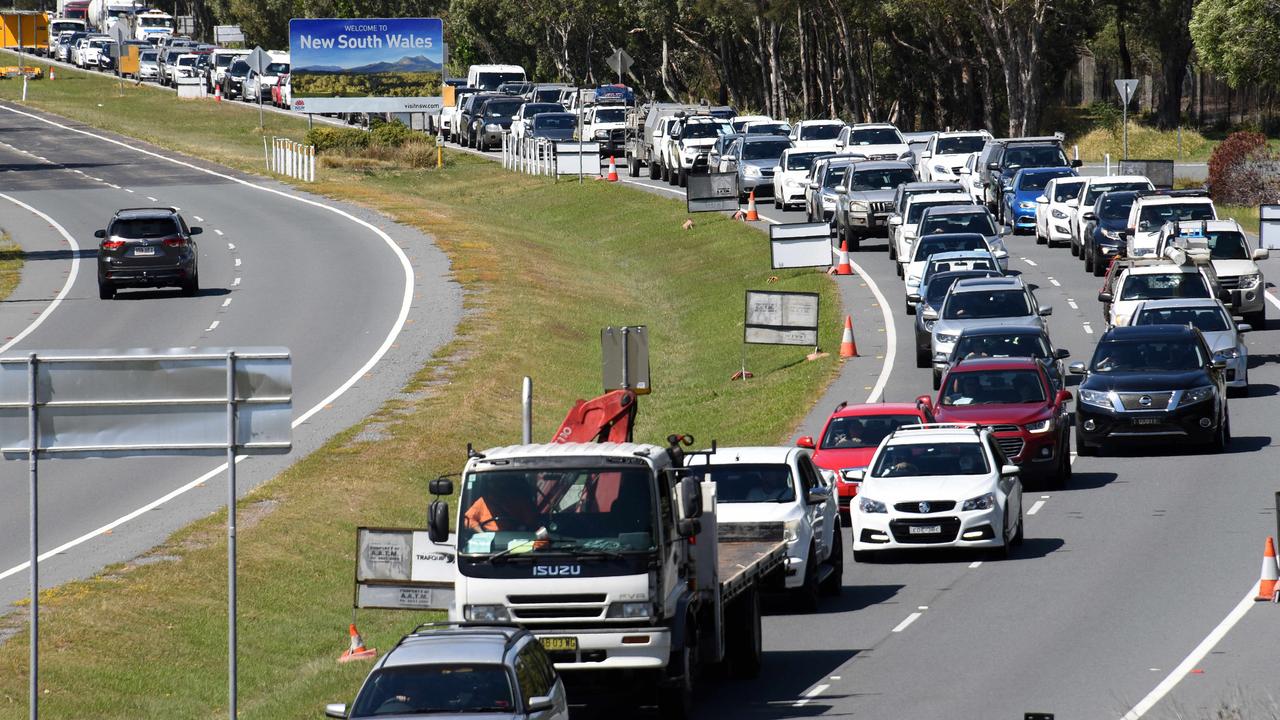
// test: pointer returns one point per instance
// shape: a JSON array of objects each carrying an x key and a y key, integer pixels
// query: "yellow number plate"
[{"x": 558, "y": 642}]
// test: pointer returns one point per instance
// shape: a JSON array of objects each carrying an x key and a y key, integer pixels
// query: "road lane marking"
[
  {"x": 397, "y": 325},
  {"x": 66, "y": 286},
  {"x": 1271, "y": 298},
  {"x": 198, "y": 218},
  {"x": 1028, "y": 261},
  {"x": 128, "y": 190},
  {"x": 114, "y": 186},
  {"x": 1035, "y": 507},
  {"x": 975, "y": 564},
  {"x": 907, "y": 623},
  {"x": 226, "y": 302},
  {"x": 152, "y": 199},
  {"x": 1073, "y": 304},
  {"x": 1088, "y": 329},
  {"x": 1055, "y": 283},
  {"x": 218, "y": 232},
  {"x": 235, "y": 282},
  {"x": 1188, "y": 664},
  {"x": 237, "y": 262},
  {"x": 231, "y": 246},
  {"x": 816, "y": 691},
  {"x": 212, "y": 327}
]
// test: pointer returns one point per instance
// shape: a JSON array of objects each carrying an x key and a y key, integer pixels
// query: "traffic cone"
[
  {"x": 613, "y": 170},
  {"x": 752, "y": 215},
  {"x": 843, "y": 268},
  {"x": 52, "y": 74},
  {"x": 1270, "y": 574},
  {"x": 217, "y": 93},
  {"x": 357, "y": 651},
  {"x": 848, "y": 348}
]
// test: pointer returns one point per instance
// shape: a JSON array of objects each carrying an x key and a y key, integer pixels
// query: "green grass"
[
  {"x": 1246, "y": 216},
  {"x": 1145, "y": 143},
  {"x": 544, "y": 266},
  {"x": 10, "y": 264}
]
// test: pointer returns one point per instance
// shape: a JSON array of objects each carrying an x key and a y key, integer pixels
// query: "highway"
[
  {"x": 1123, "y": 573},
  {"x": 361, "y": 303}
]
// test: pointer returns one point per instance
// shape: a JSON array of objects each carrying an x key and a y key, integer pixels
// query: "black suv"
[
  {"x": 1103, "y": 224},
  {"x": 1001, "y": 159},
  {"x": 1155, "y": 382},
  {"x": 147, "y": 247},
  {"x": 233, "y": 79}
]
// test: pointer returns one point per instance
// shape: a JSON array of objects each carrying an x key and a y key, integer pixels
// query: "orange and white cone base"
[
  {"x": 844, "y": 268},
  {"x": 357, "y": 651},
  {"x": 848, "y": 348},
  {"x": 613, "y": 170},
  {"x": 1270, "y": 574},
  {"x": 752, "y": 215}
]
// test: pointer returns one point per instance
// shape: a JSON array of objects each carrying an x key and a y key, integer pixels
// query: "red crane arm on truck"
[{"x": 608, "y": 418}]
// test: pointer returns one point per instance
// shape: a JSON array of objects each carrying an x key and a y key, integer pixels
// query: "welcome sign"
[{"x": 366, "y": 65}]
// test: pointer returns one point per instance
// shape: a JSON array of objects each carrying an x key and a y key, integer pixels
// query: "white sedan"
[
  {"x": 781, "y": 484},
  {"x": 936, "y": 486},
  {"x": 1053, "y": 214},
  {"x": 791, "y": 176}
]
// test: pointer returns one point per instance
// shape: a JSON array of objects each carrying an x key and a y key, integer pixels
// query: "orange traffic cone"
[
  {"x": 1270, "y": 574},
  {"x": 52, "y": 74},
  {"x": 752, "y": 215},
  {"x": 848, "y": 348},
  {"x": 217, "y": 93},
  {"x": 844, "y": 268},
  {"x": 357, "y": 651},
  {"x": 613, "y": 170}
]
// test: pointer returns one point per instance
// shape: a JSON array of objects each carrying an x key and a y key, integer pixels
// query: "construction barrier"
[
  {"x": 292, "y": 159},
  {"x": 529, "y": 157},
  {"x": 13, "y": 71}
]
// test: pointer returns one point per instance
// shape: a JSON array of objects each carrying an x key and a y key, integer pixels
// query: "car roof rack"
[
  {"x": 943, "y": 426},
  {"x": 1199, "y": 192},
  {"x": 498, "y": 628}
]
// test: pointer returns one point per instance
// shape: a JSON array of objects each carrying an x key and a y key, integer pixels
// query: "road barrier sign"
[
  {"x": 1159, "y": 172},
  {"x": 1269, "y": 226},
  {"x": 711, "y": 192},
  {"x": 401, "y": 569},
  {"x": 1126, "y": 88},
  {"x": 781, "y": 318},
  {"x": 800, "y": 245},
  {"x": 624, "y": 353}
]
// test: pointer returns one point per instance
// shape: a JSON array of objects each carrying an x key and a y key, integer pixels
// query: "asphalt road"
[
  {"x": 360, "y": 302},
  {"x": 1117, "y": 605}
]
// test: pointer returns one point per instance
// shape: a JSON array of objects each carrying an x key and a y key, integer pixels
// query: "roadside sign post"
[
  {"x": 620, "y": 62},
  {"x": 156, "y": 402},
  {"x": 1126, "y": 88},
  {"x": 258, "y": 61},
  {"x": 779, "y": 318},
  {"x": 120, "y": 37}
]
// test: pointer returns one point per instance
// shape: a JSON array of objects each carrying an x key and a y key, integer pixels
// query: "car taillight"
[
  {"x": 112, "y": 244},
  {"x": 175, "y": 242}
]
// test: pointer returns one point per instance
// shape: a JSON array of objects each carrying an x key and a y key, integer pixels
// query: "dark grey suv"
[{"x": 147, "y": 247}]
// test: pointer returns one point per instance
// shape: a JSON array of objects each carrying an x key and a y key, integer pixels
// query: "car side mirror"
[
  {"x": 1044, "y": 310},
  {"x": 913, "y": 297},
  {"x": 1123, "y": 234},
  {"x": 842, "y": 189},
  {"x": 930, "y": 314},
  {"x": 1261, "y": 254},
  {"x": 1219, "y": 361},
  {"x": 335, "y": 710},
  {"x": 896, "y": 220},
  {"x": 854, "y": 476},
  {"x": 806, "y": 442},
  {"x": 1061, "y": 354},
  {"x": 539, "y": 703},
  {"x": 817, "y": 496},
  {"x": 1042, "y": 200},
  {"x": 926, "y": 155},
  {"x": 196, "y": 230},
  {"x": 1073, "y": 203},
  {"x": 993, "y": 166},
  {"x": 813, "y": 186},
  {"x": 1244, "y": 328},
  {"x": 924, "y": 402},
  {"x": 438, "y": 521},
  {"x": 99, "y": 233},
  {"x": 965, "y": 171},
  {"x": 1104, "y": 297},
  {"x": 777, "y": 169},
  {"x": 1076, "y": 368},
  {"x": 1064, "y": 397},
  {"x": 1077, "y": 163},
  {"x": 1009, "y": 469}
]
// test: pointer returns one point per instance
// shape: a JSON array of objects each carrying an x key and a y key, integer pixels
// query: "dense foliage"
[{"x": 1244, "y": 171}]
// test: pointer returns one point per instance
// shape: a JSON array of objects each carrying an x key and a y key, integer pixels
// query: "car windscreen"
[
  {"x": 702, "y": 130},
  {"x": 1065, "y": 191},
  {"x": 993, "y": 387},
  {"x": 1014, "y": 344},
  {"x": 185, "y": 61},
  {"x": 173, "y": 56},
  {"x": 1204, "y": 319},
  {"x": 1037, "y": 181},
  {"x": 1153, "y": 217},
  {"x": 491, "y": 80},
  {"x": 147, "y": 57},
  {"x": 1034, "y": 156},
  {"x": 546, "y": 94},
  {"x": 930, "y": 245},
  {"x": 749, "y": 482},
  {"x": 583, "y": 509},
  {"x": 935, "y": 458},
  {"x": 1096, "y": 189},
  {"x": 803, "y": 160},
  {"x": 820, "y": 132},
  {"x": 1227, "y": 245},
  {"x": 154, "y": 22},
  {"x": 555, "y": 122},
  {"x": 1165, "y": 286},
  {"x": 835, "y": 175},
  {"x": 239, "y": 67},
  {"x": 405, "y": 690},
  {"x": 848, "y": 433},
  {"x": 611, "y": 115},
  {"x": 142, "y": 228},
  {"x": 768, "y": 129},
  {"x": 764, "y": 150},
  {"x": 917, "y": 209},
  {"x": 979, "y": 223},
  {"x": 1117, "y": 207},
  {"x": 959, "y": 145},
  {"x": 223, "y": 61},
  {"x": 875, "y": 136},
  {"x": 937, "y": 288},
  {"x": 882, "y": 179},
  {"x": 1148, "y": 355},
  {"x": 277, "y": 68},
  {"x": 532, "y": 109},
  {"x": 501, "y": 108},
  {"x": 974, "y": 305}
]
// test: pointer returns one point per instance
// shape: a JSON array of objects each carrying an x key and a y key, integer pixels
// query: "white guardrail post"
[{"x": 292, "y": 159}]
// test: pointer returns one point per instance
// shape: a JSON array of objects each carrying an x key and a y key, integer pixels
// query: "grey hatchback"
[
  {"x": 462, "y": 670},
  {"x": 147, "y": 247}
]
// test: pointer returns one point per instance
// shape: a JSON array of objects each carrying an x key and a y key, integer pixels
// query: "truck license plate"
[
  {"x": 144, "y": 251},
  {"x": 559, "y": 642},
  {"x": 924, "y": 529}
]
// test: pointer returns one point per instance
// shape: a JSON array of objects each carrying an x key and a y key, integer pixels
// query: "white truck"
[
  {"x": 612, "y": 555},
  {"x": 104, "y": 14},
  {"x": 489, "y": 77},
  {"x": 152, "y": 25}
]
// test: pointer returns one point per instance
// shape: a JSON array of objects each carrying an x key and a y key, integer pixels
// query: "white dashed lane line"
[
  {"x": 231, "y": 246},
  {"x": 816, "y": 691},
  {"x": 907, "y": 623},
  {"x": 226, "y": 302},
  {"x": 237, "y": 262},
  {"x": 1054, "y": 282},
  {"x": 1088, "y": 329},
  {"x": 235, "y": 282},
  {"x": 212, "y": 327},
  {"x": 975, "y": 564},
  {"x": 128, "y": 190},
  {"x": 218, "y": 232},
  {"x": 1028, "y": 261},
  {"x": 1073, "y": 304},
  {"x": 152, "y": 199},
  {"x": 198, "y": 218},
  {"x": 1035, "y": 506}
]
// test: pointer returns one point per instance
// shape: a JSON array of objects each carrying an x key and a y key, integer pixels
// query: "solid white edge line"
[
  {"x": 816, "y": 691},
  {"x": 1035, "y": 507},
  {"x": 396, "y": 327},
  {"x": 1270, "y": 298},
  {"x": 66, "y": 286},
  {"x": 890, "y": 331},
  {"x": 1175, "y": 676},
  {"x": 906, "y": 623}
]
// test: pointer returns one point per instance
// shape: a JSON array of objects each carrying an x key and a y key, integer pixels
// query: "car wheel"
[
  {"x": 1020, "y": 534},
  {"x": 106, "y": 292},
  {"x": 898, "y": 268},
  {"x": 911, "y": 309},
  {"x": 937, "y": 380},
  {"x": 1062, "y": 478},
  {"x": 776, "y": 205},
  {"x": 654, "y": 170},
  {"x": 1002, "y": 552},
  {"x": 1223, "y": 437},
  {"x": 806, "y": 595},
  {"x": 673, "y": 177},
  {"x": 189, "y": 289},
  {"x": 834, "y": 583},
  {"x": 1084, "y": 449},
  {"x": 893, "y": 249},
  {"x": 922, "y": 357},
  {"x": 633, "y": 166},
  {"x": 1257, "y": 319},
  {"x": 1040, "y": 239},
  {"x": 684, "y": 178},
  {"x": 1075, "y": 249},
  {"x": 1099, "y": 267},
  {"x": 864, "y": 556}
]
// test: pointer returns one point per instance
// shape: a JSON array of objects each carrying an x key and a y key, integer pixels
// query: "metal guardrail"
[{"x": 291, "y": 159}]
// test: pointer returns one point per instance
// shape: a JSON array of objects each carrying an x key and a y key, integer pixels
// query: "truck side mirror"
[
  {"x": 438, "y": 521},
  {"x": 440, "y": 486},
  {"x": 689, "y": 527},
  {"x": 690, "y": 498}
]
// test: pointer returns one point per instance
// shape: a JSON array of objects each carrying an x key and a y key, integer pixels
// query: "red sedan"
[
  {"x": 1014, "y": 397},
  {"x": 851, "y": 436}
]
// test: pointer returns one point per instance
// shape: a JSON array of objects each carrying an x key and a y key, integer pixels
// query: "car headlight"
[
  {"x": 1250, "y": 280},
  {"x": 493, "y": 127},
  {"x": 751, "y": 171},
  {"x": 629, "y": 610},
  {"x": 1039, "y": 428},
  {"x": 1111, "y": 235},
  {"x": 1195, "y": 395},
  {"x": 858, "y": 206},
  {"x": 1027, "y": 205},
  {"x": 485, "y": 613},
  {"x": 601, "y": 134},
  {"x": 947, "y": 338},
  {"x": 1058, "y": 214},
  {"x": 867, "y": 505},
  {"x": 982, "y": 502},
  {"x": 906, "y": 155},
  {"x": 790, "y": 530},
  {"x": 827, "y": 200},
  {"x": 1229, "y": 353},
  {"x": 928, "y": 324},
  {"x": 1096, "y": 398}
]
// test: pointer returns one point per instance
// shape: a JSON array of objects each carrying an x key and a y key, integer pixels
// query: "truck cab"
[
  {"x": 688, "y": 141},
  {"x": 490, "y": 77},
  {"x": 605, "y": 123}
]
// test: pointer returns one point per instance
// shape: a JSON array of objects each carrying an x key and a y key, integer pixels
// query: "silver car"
[
  {"x": 757, "y": 156},
  {"x": 981, "y": 301},
  {"x": 455, "y": 670},
  {"x": 865, "y": 198},
  {"x": 1223, "y": 335}
]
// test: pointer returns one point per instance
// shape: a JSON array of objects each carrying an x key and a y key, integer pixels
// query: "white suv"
[
  {"x": 1152, "y": 209},
  {"x": 946, "y": 152},
  {"x": 1234, "y": 262},
  {"x": 772, "y": 484},
  {"x": 875, "y": 141},
  {"x": 1053, "y": 211}
]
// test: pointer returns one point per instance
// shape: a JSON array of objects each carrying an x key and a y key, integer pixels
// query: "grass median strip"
[
  {"x": 545, "y": 266},
  {"x": 10, "y": 264}
]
